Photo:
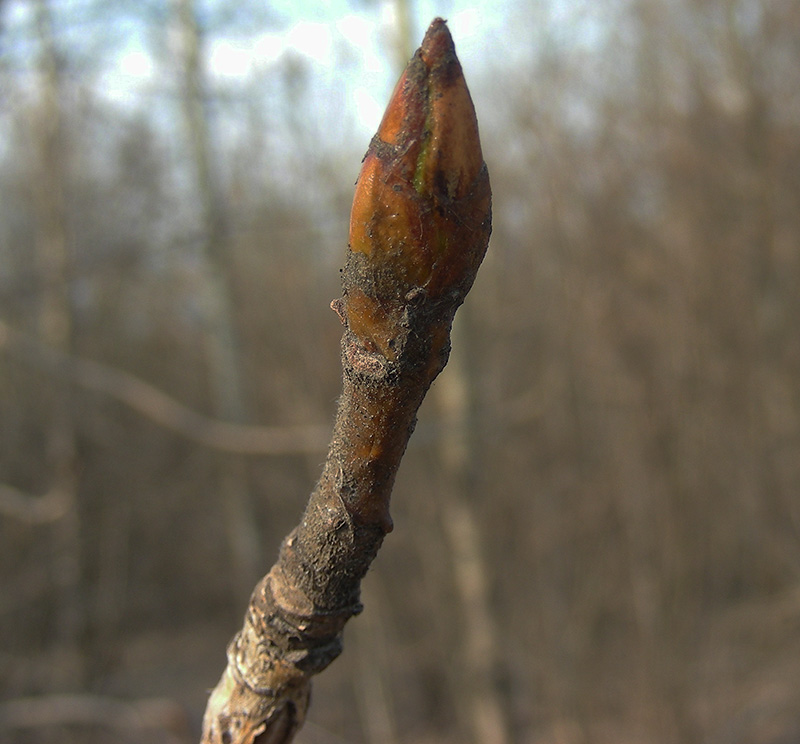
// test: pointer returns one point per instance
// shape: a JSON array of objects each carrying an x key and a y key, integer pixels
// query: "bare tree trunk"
[
  {"x": 372, "y": 694},
  {"x": 480, "y": 698},
  {"x": 220, "y": 337},
  {"x": 55, "y": 329},
  {"x": 404, "y": 35}
]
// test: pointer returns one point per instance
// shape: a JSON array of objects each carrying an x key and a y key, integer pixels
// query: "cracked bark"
[{"x": 419, "y": 229}]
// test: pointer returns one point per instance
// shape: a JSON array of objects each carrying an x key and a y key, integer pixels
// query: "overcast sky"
[{"x": 118, "y": 36}]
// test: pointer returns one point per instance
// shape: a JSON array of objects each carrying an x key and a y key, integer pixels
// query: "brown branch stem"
[
  {"x": 164, "y": 410},
  {"x": 419, "y": 229}
]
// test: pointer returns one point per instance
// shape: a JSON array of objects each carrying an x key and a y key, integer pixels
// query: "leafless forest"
[{"x": 597, "y": 523}]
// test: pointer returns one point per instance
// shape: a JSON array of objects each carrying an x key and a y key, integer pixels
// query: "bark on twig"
[{"x": 419, "y": 230}]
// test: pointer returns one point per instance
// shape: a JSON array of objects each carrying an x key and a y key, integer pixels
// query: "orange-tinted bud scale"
[{"x": 420, "y": 215}]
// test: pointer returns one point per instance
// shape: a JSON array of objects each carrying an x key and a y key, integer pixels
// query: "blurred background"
[{"x": 597, "y": 523}]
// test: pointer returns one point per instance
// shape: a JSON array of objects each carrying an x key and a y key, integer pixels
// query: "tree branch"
[
  {"x": 419, "y": 229},
  {"x": 149, "y": 401},
  {"x": 48, "y": 507}
]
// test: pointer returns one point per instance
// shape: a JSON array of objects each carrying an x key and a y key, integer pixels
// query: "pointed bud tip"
[
  {"x": 438, "y": 43},
  {"x": 422, "y": 205}
]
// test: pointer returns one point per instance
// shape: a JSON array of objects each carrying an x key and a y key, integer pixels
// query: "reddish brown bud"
[
  {"x": 421, "y": 214},
  {"x": 419, "y": 229}
]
